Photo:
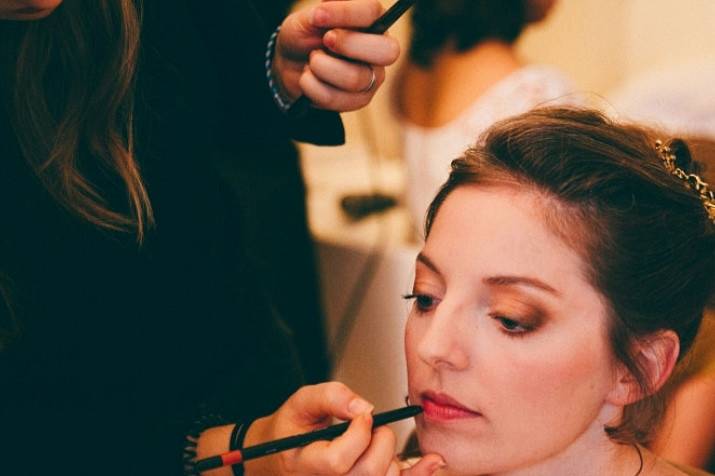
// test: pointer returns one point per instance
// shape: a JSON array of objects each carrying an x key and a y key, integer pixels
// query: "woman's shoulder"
[
  {"x": 678, "y": 470},
  {"x": 659, "y": 466}
]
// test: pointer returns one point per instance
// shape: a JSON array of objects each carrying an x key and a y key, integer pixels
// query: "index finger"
[
  {"x": 339, "y": 455},
  {"x": 315, "y": 403},
  {"x": 346, "y": 14}
]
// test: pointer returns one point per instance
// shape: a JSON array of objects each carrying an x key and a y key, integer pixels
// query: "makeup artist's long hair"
[
  {"x": 9, "y": 325},
  {"x": 73, "y": 109}
]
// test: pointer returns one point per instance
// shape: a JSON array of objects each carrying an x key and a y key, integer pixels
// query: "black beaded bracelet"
[
  {"x": 203, "y": 422},
  {"x": 283, "y": 102}
]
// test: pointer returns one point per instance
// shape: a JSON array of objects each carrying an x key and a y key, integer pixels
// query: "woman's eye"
[
  {"x": 423, "y": 302},
  {"x": 512, "y": 326}
]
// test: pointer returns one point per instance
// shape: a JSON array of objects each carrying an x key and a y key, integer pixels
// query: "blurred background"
[
  {"x": 644, "y": 59},
  {"x": 601, "y": 45}
]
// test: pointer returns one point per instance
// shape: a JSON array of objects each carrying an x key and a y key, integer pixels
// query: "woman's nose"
[{"x": 445, "y": 343}]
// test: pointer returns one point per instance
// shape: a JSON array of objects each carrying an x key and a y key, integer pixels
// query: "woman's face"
[
  {"x": 27, "y": 9},
  {"x": 506, "y": 341}
]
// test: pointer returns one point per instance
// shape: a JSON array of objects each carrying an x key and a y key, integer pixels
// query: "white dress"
[
  {"x": 679, "y": 99},
  {"x": 428, "y": 152}
]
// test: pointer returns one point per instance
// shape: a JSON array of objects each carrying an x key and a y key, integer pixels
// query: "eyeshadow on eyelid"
[{"x": 526, "y": 311}]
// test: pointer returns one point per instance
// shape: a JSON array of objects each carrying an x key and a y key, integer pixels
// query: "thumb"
[
  {"x": 319, "y": 403},
  {"x": 426, "y": 466}
]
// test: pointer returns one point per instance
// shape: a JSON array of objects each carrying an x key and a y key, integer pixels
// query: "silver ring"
[{"x": 373, "y": 81}]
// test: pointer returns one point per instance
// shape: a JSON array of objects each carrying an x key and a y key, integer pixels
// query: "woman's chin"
[{"x": 459, "y": 460}]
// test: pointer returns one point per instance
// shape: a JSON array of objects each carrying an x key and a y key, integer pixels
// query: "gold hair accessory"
[{"x": 693, "y": 181}]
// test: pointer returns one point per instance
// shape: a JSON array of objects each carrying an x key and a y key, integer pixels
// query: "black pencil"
[
  {"x": 380, "y": 26},
  {"x": 283, "y": 444}
]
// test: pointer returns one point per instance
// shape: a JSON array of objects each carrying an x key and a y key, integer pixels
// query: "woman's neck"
[
  {"x": 588, "y": 458},
  {"x": 591, "y": 453},
  {"x": 608, "y": 458},
  {"x": 619, "y": 460},
  {"x": 491, "y": 55},
  {"x": 436, "y": 95}
]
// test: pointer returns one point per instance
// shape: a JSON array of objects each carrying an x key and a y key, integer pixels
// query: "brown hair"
[
  {"x": 645, "y": 236},
  {"x": 463, "y": 24},
  {"x": 73, "y": 96},
  {"x": 9, "y": 325}
]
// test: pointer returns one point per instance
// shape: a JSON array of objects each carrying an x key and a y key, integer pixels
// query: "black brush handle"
[
  {"x": 297, "y": 441},
  {"x": 275, "y": 446}
]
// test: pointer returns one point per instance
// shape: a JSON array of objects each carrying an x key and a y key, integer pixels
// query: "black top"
[{"x": 121, "y": 348}]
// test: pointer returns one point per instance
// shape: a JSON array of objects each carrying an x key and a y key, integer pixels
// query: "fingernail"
[
  {"x": 330, "y": 39},
  {"x": 437, "y": 465},
  {"x": 320, "y": 17},
  {"x": 359, "y": 406}
]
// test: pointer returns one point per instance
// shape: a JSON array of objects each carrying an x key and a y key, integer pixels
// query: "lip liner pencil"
[
  {"x": 380, "y": 26},
  {"x": 283, "y": 444}
]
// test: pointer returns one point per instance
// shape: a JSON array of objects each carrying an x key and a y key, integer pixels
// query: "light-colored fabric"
[
  {"x": 408, "y": 463},
  {"x": 691, "y": 471},
  {"x": 678, "y": 98},
  {"x": 429, "y": 151}
]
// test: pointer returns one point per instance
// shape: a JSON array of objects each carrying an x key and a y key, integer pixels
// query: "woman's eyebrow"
[
  {"x": 520, "y": 280},
  {"x": 422, "y": 258}
]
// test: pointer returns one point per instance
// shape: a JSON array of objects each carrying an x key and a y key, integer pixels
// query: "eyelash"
[
  {"x": 424, "y": 303},
  {"x": 420, "y": 304},
  {"x": 507, "y": 322}
]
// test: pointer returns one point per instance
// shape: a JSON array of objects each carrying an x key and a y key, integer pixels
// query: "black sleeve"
[{"x": 237, "y": 38}]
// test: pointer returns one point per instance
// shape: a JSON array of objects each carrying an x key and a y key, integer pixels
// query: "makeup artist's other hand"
[
  {"x": 320, "y": 55},
  {"x": 358, "y": 451}
]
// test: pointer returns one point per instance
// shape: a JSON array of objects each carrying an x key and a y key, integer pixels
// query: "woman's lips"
[{"x": 442, "y": 407}]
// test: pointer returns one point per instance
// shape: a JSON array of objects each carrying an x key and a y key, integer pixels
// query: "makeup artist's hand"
[
  {"x": 358, "y": 451},
  {"x": 319, "y": 55}
]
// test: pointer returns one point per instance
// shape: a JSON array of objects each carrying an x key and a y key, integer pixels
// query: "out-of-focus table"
[{"x": 365, "y": 268}]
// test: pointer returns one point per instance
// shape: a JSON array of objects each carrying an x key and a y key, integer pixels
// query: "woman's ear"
[{"x": 656, "y": 355}]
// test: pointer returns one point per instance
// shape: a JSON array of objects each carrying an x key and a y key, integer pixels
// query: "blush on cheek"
[
  {"x": 564, "y": 389},
  {"x": 555, "y": 370}
]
